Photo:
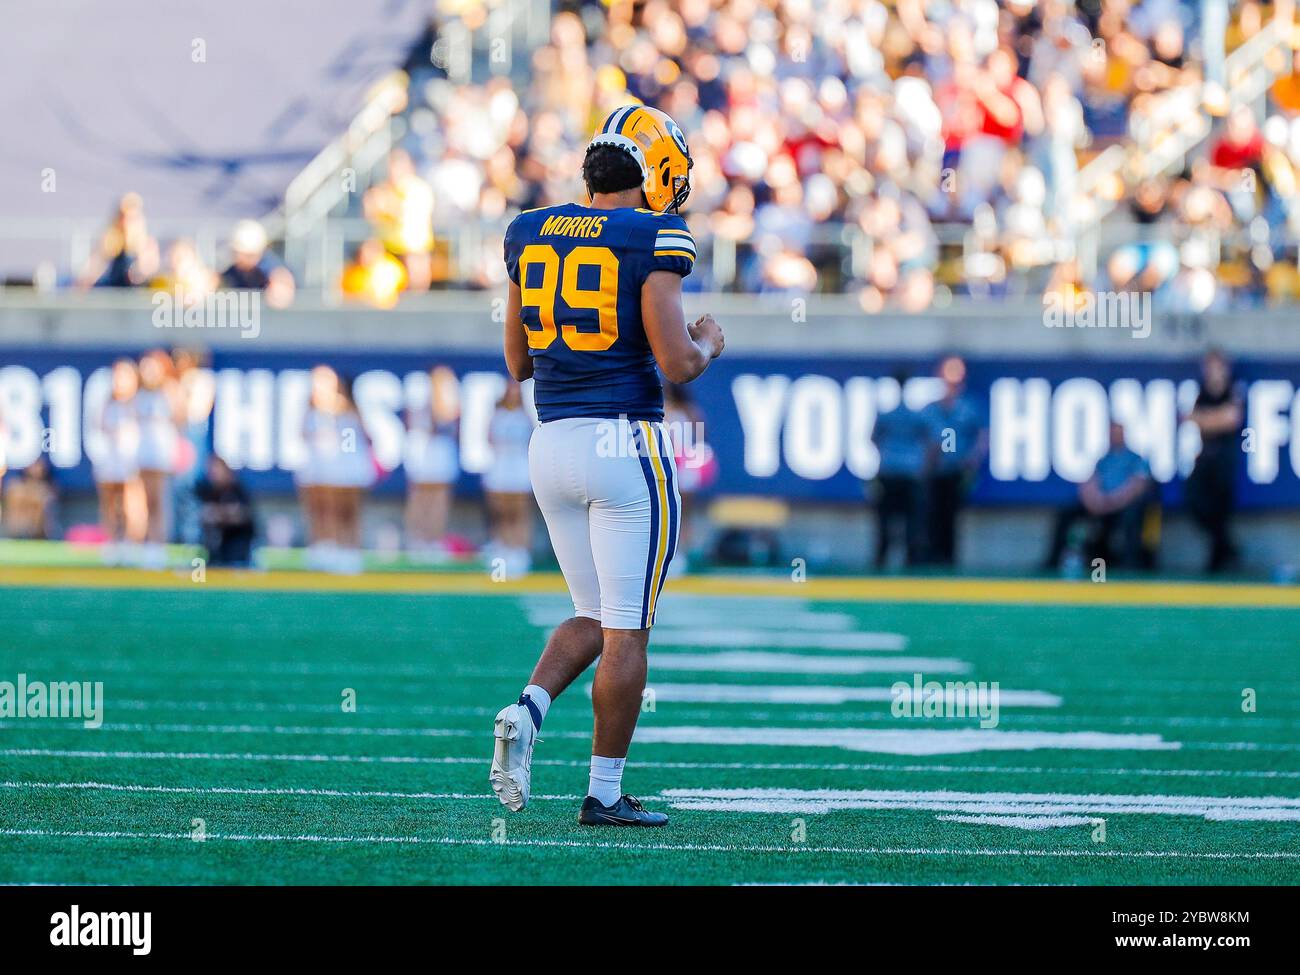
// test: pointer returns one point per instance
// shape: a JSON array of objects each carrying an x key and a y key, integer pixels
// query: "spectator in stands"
[
  {"x": 1250, "y": 20},
  {"x": 1237, "y": 158},
  {"x": 374, "y": 276},
  {"x": 1065, "y": 288},
  {"x": 1115, "y": 500},
  {"x": 507, "y": 485},
  {"x": 1168, "y": 65},
  {"x": 226, "y": 513},
  {"x": 126, "y": 255},
  {"x": 956, "y": 445},
  {"x": 1152, "y": 259},
  {"x": 904, "y": 251},
  {"x": 800, "y": 117},
  {"x": 31, "y": 502},
  {"x": 1008, "y": 108},
  {"x": 1211, "y": 487},
  {"x": 901, "y": 436},
  {"x": 432, "y": 463},
  {"x": 733, "y": 224},
  {"x": 1195, "y": 288},
  {"x": 784, "y": 269},
  {"x": 1055, "y": 150},
  {"x": 1285, "y": 91},
  {"x": 798, "y": 114},
  {"x": 186, "y": 274},
  {"x": 401, "y": 211},
  {"x": 254, "y": 268}
]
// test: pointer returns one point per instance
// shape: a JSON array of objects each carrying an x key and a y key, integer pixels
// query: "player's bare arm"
[
  {"x": 682, "y": 351},
  {"x": 518, "y": 361}
]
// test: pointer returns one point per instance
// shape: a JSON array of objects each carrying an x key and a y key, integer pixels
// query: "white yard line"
[
  {"x": 733, "y": 694},
  {"x": 231, "y": 790},
  {"x": 255, "y": 729},
  {"x": 917, "y": 741},
  {"x": 1005, "y": 804},
  {"x": 758, "y": 662},
  {"x": 793, "y": 638},
  {"x": 910, "y": 741},
  {"x": 687, "y": 847},
  {"x": 123, "y": 755},
  {"x": 1021, "y": 822},
  {"x": 272, "y": 674},
  {"x": 818, "y": 694},
  {"x": 1023, "y": 810}
]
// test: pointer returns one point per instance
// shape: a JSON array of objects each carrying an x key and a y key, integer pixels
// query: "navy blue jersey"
[{"x": 580, "y": 272}]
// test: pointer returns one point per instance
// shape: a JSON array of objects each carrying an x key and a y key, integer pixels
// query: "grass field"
[{"x": 225, "y": 755}]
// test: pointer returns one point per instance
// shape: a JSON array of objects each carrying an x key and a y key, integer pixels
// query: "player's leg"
[
  {"x": 635, "y": 519},
  {"x": 616, "y": 694},
  {"x": 571, "y": 649},
  {"x": 555, "y": 452}
]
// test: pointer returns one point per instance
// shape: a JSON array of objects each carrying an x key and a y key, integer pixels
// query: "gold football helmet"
[{"x": 659, "y": 148}]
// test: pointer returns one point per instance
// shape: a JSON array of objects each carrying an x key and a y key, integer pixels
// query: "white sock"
[
  {"x": 541, "y": 700},
  {"x": 606, "y": 782}
]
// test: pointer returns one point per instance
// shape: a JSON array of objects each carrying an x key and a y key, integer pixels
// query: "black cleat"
[{"x": 626, "y": 812}]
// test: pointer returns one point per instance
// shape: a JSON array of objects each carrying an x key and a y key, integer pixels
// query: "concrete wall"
[{"x": 817, "y": 326}]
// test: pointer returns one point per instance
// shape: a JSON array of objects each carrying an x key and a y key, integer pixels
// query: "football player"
[{"x": 595, "y": 304}]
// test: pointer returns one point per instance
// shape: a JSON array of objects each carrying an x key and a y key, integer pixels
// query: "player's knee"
[{"x": 621, "y": 643}]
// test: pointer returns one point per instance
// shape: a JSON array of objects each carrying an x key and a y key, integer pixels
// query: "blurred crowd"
[
  {"x": 901, "y": 152},
  {"x": 945, "y": 138},
  {"x": 128, "y": 255}
]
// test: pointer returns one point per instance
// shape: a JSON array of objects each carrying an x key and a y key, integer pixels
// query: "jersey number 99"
[{"x": 563, "y": 273}]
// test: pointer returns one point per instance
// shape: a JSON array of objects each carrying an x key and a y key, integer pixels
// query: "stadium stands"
[{"x": 904, "y": 153}]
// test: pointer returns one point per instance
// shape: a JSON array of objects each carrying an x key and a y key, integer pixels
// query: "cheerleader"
[
  {"x": 348, "y": 478},
  {"x": 320, "y": 438},
  {"x": 506, "y": 482},
  {"x": 196, "y": 391},
  {"x": 156, "y": 415},
  {"x": 697, "y": 468},
  {"x": 116, "y": 465},
  {"x": 431, "y": 462}
]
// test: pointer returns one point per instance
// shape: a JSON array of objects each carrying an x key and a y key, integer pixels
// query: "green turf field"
[{"x": 225, "y": 755}]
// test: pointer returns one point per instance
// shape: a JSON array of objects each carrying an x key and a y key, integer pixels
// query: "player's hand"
[{"x": 708, "y": 333}]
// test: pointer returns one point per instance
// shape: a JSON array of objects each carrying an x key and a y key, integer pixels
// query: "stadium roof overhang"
[{"x": 207, "y": 110}]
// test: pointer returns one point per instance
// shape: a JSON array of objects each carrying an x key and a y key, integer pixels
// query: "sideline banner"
[{"x": 798, "y": 428}]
